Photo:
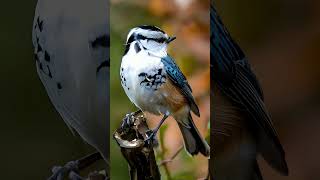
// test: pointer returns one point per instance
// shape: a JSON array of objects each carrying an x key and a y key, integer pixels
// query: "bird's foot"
[
  {"x": 71, "y": 168},
  {"x": 151, "y": 134},
  {"x": 126, "y": 123}
]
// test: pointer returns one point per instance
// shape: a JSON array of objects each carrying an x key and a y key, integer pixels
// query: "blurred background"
[
  {"x": 33, "y": 136},
  {"x": 188, "y": 20},
  {"x": 281, "y": 39}
]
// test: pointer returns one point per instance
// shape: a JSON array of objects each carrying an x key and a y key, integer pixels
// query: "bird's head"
[{"x": 149, "y": 38}]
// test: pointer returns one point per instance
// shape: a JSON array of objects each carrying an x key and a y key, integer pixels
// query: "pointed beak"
[{"x": 170, "y": 39}]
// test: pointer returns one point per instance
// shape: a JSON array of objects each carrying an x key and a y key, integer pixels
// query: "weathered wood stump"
[{"x": 131, "y": 136}]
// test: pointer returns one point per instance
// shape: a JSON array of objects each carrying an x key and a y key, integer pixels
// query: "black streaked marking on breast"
[
  {"x": 153, "y": 80},
  {"x": 123, "y": 79},
  {"x": 137, "y": 48},
  {"x": 102, "y": 41},
  {"x": 102, "y": 65},
  {"x": 143, "y": 74},
  {"x": 42, "y": 55}
]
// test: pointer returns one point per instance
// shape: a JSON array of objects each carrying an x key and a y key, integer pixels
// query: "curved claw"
[{"x": 127, "y": 122}]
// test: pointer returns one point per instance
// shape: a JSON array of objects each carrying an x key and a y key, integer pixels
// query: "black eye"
[{"x": 161, "y": 40}]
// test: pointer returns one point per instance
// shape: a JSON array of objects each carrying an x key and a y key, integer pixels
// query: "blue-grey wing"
[
  {"x": 235, "y": 79},
  {"x": 177, "y": 77},
  {"x": 227, "y": 55}
]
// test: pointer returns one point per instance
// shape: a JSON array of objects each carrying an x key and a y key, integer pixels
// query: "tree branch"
[{"x": 131, "y": 136}]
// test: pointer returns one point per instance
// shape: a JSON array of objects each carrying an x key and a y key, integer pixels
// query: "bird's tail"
[{"x": 193, "y": 141}]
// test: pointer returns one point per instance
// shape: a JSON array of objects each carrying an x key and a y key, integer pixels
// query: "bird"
[
  {"x": 71, "y": 52},
  {"x": 242, "y": 128},
  {"x": 154, "y": 83}
]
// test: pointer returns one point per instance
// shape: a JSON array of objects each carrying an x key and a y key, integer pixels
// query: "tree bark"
[{"x": 131, "y": 137}]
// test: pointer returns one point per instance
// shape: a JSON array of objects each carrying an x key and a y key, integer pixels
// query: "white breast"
[{"x": 132, "y": 65}]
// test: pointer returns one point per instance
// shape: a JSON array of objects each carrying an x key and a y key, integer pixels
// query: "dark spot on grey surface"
[
  {"x": 39, "y": 48},
  {"x": 102, "y": 65},
  {"x": 59, "y": 86},
  {"x": 40, "y": 66},
  {"x": 36, "y": 57},
  {"x": 102, "y": 41},
  {"x": 49, "y": 72},
  {"x": 46, "y": 56},
  {"x": 40, "y": 24}
]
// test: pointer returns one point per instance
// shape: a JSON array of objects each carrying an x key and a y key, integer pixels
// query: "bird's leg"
[
  {"x": 155, "y": 130},
  {"x": 73, "y": 167}
]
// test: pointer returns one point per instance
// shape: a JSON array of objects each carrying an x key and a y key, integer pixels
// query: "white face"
[{"x": 149, "y": 37}]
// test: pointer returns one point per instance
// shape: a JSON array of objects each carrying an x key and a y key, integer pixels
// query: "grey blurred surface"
[{"x": 32, "y": 134}]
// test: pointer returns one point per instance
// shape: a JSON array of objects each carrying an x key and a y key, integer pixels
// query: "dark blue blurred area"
[{"x": 282, "y": 40}]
